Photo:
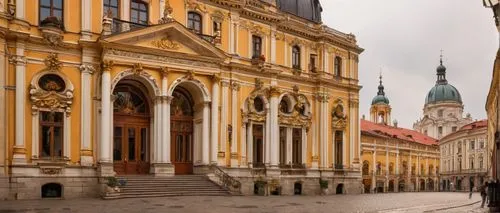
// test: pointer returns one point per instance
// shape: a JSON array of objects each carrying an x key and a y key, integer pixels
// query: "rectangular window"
[
  {"x": 297, "y": 147},
  {"x": 258, "y": 146},
  {"x": 117, "y": 144},
  {"x": 283, "y": 146},
  {"x": 51, "y": 12},
  {"x": 337, "y": 69},
  {"x": 440, "y": 130},
  {"x": 312, "y": 63},
  {"x": 296, "y": 57},
  {"x": 453, "y": 129},
  {"x": 139, "y": 12},
  {"x": 195, "y": 22},
  {"x": 51, "y": 137},
  {"x": 256, "y": 46},
  {"x": 339, "y": 149},
  {"x": 111, "y": 8},
  {"x": 472, "y": 144}
]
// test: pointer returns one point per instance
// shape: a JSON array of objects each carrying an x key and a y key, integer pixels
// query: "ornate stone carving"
[
  {"x": 17, "y": 60},
  {"x": 51, "y": 170},
  {"x": 164, "y": 72},
  {"x": 52, "y": 62},
  {"x": 215, "y": 78},
  {"x": 137, "y": 70},
  {"x": 11, "y": 8},
  {"x": 166, "y": 43},
  {"x": 87, "y": 68},
  {"x": 339, "y": 117},
  {"x": 258, "y": 84},
  {"x": 51, "y": 91},
  {"x": 235, "y": 86},
  {"x": 274, "y": 91},
  {"x": 167, "y": 13},
  {"x": 106, "y": 65},
  {"x": 190, "y": 75},
  {"x": 53, "y": 36},
  {"x": 192, "y": 5},
  {"x": 299, "y": 115},
  {"x": 218, "y": 16}
]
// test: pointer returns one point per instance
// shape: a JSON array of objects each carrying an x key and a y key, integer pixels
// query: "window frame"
[
  {"x": 51, "y": 11},
  {"x": 339, "y": 149},
  {"x": 296, "y": 55},
  {"x": 138, "y": 11},
  {"x": 191, "y": 19},
  {"x": 337, "y": 66},
  {"x": 256, "y": 46},
  {"x": 51, "y": 125},
  {"x": 108, "y": 5}
]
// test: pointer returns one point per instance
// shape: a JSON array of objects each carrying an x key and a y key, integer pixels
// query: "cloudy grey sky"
[{"x": 404, "y": 38}]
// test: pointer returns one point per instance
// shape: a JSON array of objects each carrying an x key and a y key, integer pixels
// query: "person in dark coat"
[{"x": 482, "y": 191}]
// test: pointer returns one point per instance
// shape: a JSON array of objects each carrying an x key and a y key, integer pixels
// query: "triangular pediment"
[{"x": 171, "y": 37}]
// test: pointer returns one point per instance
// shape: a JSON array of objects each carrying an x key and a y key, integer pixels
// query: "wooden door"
[
  {"x": 182, "y": 144},
  {"x": 130, "y": 149}
]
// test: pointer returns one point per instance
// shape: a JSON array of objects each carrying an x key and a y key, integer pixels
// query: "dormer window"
[
  {"x": 194, "y": 22},
  {"x": 139, "y": 12},
  {"x": 296, "y": 57}
]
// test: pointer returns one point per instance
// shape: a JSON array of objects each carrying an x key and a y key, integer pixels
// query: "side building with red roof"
[
  {"x": 465, "y": 158},
  {"x": 396, "y": 159}
]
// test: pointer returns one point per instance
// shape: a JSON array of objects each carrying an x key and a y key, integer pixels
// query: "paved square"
[{"x": 391, "y": 202}]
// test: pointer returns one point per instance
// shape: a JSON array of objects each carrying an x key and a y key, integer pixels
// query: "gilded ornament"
[
  {"x": 52, "y": 62},
  {"x": 167, "y": 13},
  {"x": 258, "y": 84},
  {"x": 166, "y": 43},
  {"x": 190, "y": 75},
  {"x": 106, "y": 65},
  {"x": 137, "y": 70}
]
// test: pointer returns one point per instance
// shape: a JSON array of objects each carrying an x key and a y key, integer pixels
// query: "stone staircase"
[{"x": 179, "y": 185}]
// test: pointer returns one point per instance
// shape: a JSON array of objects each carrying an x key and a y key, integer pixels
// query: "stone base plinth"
[
  {"x": 105, "y": 169},
  {"x": 162, "y": 169}
]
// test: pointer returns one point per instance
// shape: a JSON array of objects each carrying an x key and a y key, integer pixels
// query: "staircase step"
[{"x": 181, "y": 185}]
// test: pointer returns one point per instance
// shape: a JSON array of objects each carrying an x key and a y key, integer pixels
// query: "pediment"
[{"x": 171, "y": 38}]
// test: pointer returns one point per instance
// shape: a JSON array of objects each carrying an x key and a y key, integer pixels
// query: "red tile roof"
[
  {"x": 475, "y": 125},
  {"x": 369, "y": 127}
]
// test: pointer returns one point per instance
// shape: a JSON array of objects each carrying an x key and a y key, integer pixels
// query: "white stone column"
[
  {"x": 67, "y": 136},
  {"x": 214, "y": 120},
  {"x": 233, "y": 32},
  {"x": 86, "y": 155},
  {"x": 166, "y": 127},
  {"x": 250, "y": 143},
  {"x": 104, "y": 152},
  {"x": 267, "y": 136},
  {"x": 20, "y": 62},
  {"x": 235, "y": 88},
  {"x": 324, "y": 130},
  {"x": 304, "y": 145},
  {"x": 374, "y": 162},
  {"x": 397, "y": 161},
  {"x": 205, "y": 159},
  {"x": 20, "y": 8},
  {"x": 289, "y": 151},
  {"x": 314, "y": 130},
  {"x": 86, "y": 19},
  {"x": 243, "y": 146},
  {"x": 325, "y": 59},
  {"x": 223, "y": 121},
  {"x": 35, "y": 137},
  {"x": 274, "y": 126}
]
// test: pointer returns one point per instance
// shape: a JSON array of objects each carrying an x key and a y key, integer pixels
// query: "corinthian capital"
[
  {"x": 106, "y": 65},
  {"x": 17, "y": 60},
  {"x": 87, "y": 68}
]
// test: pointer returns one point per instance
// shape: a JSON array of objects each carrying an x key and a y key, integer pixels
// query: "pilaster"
[
  {"x": 235, "y": 88},
  {"x": 221, "y": 156},
  {"x": 214, "y": 119},
  {"x": 105, "y": 152},
  {"x": 274, "y": 126},
  {"x": 19, "y": 61},
  {"x": 86, "y": 153}
]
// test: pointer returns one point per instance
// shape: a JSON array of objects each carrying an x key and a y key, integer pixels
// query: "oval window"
[{"x": 52, "y": 82}]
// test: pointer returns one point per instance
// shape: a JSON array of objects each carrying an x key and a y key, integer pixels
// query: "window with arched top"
[
  {"x": 285, "y": 104},
  {"x": 51, "y": 12},
  {"x": 139, "y": 12},
  {"x": 256, "y": 46},
  {"x": 337, "y": 71},
  {"x": 258, "y": 104},
  {"x": 379, "y": 168},
  {"x": 194, "y": 22},
  {"x": 296, "y": 57}
]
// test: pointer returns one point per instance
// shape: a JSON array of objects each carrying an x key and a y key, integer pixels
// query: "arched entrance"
[
  {"x": 131, "y": 128},
  {"x": 181, "y": 116},
  {"x": 391, "y": 186},
  {"x": 401, "y": 185}
]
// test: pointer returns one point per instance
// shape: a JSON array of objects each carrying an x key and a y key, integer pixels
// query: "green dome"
[
  {"x": 380, "y": 99},
  {"x": 443, "y": 93}
]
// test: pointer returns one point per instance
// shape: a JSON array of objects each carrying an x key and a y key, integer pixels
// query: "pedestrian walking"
[
  {"x": 482, "y": 190},
  {"x": 471, "y": 188}
]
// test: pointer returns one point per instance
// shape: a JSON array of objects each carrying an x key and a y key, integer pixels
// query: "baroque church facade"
[
  {"x": 396, "y": 159},
  {"x": 257, "y": 90},
  {"x": 443, "y": 109}
]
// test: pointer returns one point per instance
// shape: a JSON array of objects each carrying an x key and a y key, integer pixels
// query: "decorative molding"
[
  {"x": 190, "y": 75},
  {"x": 145, "y": 75},
  {"x": 17, "y": 60},
  {"x": 216, "y": 78},
  {"x": 164, "y": 59},
  {"x": 192, "y": 5},
  {"x": 339, "y": 117},
  {"x": 164, "y": 72},
  {"x": 235, "y": 86},
  {"x": 218, "y": 16},
  {"x": 52, "y": 63},
  {"x": 274, "y": 91},
  {"x": 53, "y": 36},
  {"x": 87, "y": 68},
  {"x": 137, "y": 70},
  {"x": 107, "y": 65},
  {"x": 166, "y": 44},
  {"x": 51, "y": 170}
]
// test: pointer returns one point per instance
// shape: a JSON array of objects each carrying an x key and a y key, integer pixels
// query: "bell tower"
[{"x": 380, "y": 111}]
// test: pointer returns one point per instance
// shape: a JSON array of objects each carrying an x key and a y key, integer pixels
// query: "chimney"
[
  {"x": 395, "y": 123},
  {"x": 363, "y": 117}
]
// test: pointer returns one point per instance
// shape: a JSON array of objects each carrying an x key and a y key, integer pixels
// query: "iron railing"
[
  {"x": 120, "y": 26},
  {"x": 226, "y": 181}
]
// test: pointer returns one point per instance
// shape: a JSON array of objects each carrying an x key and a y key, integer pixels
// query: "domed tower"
[
  {"x": 443, "y": 109},
  {"x": 307, "y": 9},
  {"x": 380, "y": 111}
]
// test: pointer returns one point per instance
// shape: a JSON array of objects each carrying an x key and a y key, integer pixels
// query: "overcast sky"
[{"x": 404, "y": 39}]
